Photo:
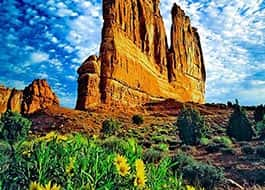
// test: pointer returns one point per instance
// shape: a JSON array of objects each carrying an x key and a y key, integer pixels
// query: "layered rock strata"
[
  {"x": 136, "y": 64},
  {"x": 36, "y": 96}
]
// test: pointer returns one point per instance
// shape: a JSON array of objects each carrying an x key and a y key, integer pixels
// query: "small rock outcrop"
[
  {"x": 36, "y": 96},
  {"x": 135, "y": 63}
]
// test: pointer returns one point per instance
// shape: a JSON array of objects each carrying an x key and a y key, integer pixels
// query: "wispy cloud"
[
  {"x": 38, "y": 57},
  {"x": 233, "y": 38}
]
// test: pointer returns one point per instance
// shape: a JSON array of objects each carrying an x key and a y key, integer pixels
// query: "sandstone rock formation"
[
  {"x": 36, "y": 96},
  {"x": 136, "y": 65},
  {"x": 88, "y": 83},
  {"x": 4, "y": 98}
]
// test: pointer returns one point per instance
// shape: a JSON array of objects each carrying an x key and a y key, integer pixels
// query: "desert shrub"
[
  {"x": 213, "y": 147},
  {"x": 247, "y": 149},
  {"x": 110, "y": 126},
  {"x": 114, "y": 144},
  {"x": 159, "y": 138},
  {"x": 228, "y": 151},
  {"x": 181, "y": 160},
  {"x": 197, "y": 173},
  {"x": 239, "y": 126},
  {"x": 161, "y": 147},
  {"x": 259, "y": 113},
  {"x": 191, "y": 125},
  {"x": 14, "y": 127},
  {"x": 138, "y": 119},
  {"x": 254, "y": 176},
  {"x": 152, "y": 155},
  {"x": 203, "y": 175},
  {"x": 186, "y": 148},
  {"x": 260, "y": 151},
  {"x": 204, "y": 141},
  {"x": 260, "y": 127},
  {"x": 223, "y": 141},
  {"x": 229, "y": 104}
]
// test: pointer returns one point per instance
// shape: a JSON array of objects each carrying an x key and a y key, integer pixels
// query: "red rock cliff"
[
  {"x": 135, "y": 63},
  {"x": 36, "y": 96}
]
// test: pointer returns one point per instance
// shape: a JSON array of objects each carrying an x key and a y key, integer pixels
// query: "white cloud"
[
  {"x": 227, "y": 28},
  {"x": 85, "y": 31},
  {"x": 72, "y": 78},
  {"x": 64, "y": 11},
  {"x": 38, "y": 57},
  {"x": 42, "y": 75},
  {"x": 252, "y": 95}
]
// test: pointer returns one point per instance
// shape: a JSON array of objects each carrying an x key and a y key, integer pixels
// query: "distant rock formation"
[
  {"x": 135, "y": 64},
  {"x": 36, "y": 96}
]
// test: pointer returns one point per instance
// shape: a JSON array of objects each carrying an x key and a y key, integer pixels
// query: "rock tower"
[{"x": 135, "y": 63}]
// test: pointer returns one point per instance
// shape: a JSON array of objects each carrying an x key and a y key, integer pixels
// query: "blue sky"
[{"x": 50, "y": 39}]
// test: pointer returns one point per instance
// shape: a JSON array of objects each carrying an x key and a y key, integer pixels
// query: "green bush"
[
  {"x": 152, "y": 155},
  {"x": 260, "y": 127},
  {"x": 163, "y": 147},
  {"x": 138, "y": 119},
  {"x": 259, "y": 113},
  {"x": 121, "y": 146},
  {"x": 197, "y": 173},
  {"x": 213, "y": 148},
  {"x": 224, "y": 141},
  {"x": 114, "y": 144},
  {"x": 260, "y": 151},
  {"x": 191, "y": 125},
  {"x": 229, "y": 104},
  {"x": 14, "y": 127},
  {"x": 204, "y": 175},
  {"x": 239, "y": 126},
  {"x": 228, "y": 151},
  {"x": 204, "y": 141},
  {"x": 247, "y": 149},
  {"x": 110, "y": 126}
]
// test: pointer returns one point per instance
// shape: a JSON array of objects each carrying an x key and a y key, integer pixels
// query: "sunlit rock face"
[
  {"x": 135, "y": 64},
  {"x": 36, "y": 96}
]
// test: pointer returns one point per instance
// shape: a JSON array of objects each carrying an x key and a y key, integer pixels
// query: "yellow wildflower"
[
  {"x": 50, "y": 187},
  {"x": 119, "y": 159},
  {"x": 35, "y": 186},
  {"x": 69, "y": 168},
  {"x": 140, "y": 178},
  {"x": 122, "y": 166},
  {"x": 26, "y": 153},
  {"x": 60, "y": 138},
  {"x": 189, "y": 187},
  {"x": 48, "y": 137}
]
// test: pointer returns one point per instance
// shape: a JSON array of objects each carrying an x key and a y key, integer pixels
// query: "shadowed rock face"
[
  {"x": 135, "y": 63},
  {"x": 36, "y": 96}
]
